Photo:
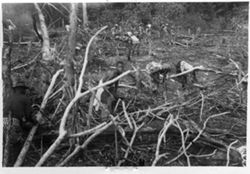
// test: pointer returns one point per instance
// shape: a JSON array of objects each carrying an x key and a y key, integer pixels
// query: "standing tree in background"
[
  {"x": 45, "y": 35},
  {"x": 70, "y": 82},
  {"x": 84, "y": 14},
  {"x": 69, "y": 65}
]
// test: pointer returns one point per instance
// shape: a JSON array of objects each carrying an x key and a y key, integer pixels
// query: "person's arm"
[
  {"x": 155, "y": 77},
  {"x": 6, "y": 107},
  {"x": 110, "y": 76},
  {"x": 28, "y": 110},
  {"x": 107, "y": 77}
]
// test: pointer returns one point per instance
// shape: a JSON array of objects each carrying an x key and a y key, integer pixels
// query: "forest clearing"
[{"x": 125, "y": 84}]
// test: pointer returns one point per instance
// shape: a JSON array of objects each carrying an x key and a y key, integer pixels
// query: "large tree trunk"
[
  {"x": 69, "y": 72},
  {"x": 69, "y": 65},
  {"x": 7, "y": 86},
  {"x": 84, "y": 14},
  {"x": 46, "y": 44}
]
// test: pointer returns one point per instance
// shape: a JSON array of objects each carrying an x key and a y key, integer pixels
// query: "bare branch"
[
  {"x": 203, "y": 155},
  {"x": 126, "y": 115},
  {"x": 78, "y": 95},
  {"x": 78, "y": 148},
  {"x": 38, "y": 116},
  {"x": 162, "y": 133},
  {"x": 89, "y": 131},
  {"x": 136, "y": 129},
  {"x": 228, "y": 151},
  {"x": 197, "y": 137},
  {"x": 202, "y": 106},
  {"x": 26, "y": 64},
  {"x": 86, "y": 59},
  {"x": 183, "y": 142}
]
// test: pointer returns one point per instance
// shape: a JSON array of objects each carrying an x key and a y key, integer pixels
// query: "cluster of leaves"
[{"x": 215, "y": 15}]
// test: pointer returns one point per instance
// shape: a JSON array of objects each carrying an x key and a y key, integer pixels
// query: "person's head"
[
  {"x": 120, "y": 66},
  {"x": 20, "y": 87},
  {"x": 20, "y": 90}
]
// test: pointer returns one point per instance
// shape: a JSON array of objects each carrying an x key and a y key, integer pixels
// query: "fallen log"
[{"x": 23, "y": 43}]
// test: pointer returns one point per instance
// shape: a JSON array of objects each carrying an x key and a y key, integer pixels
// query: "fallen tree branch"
[
  {"x": 201, "y": 68},
  {"x": 136, "y": 129},
  {"x": 22, "y": 43},
  {"x": 162, "y": 133},
  {"x": 228, "y": 152},
  {"x": 86, "y": 132},
  {"x": 78, "y": 95},
  {"x": 126, "y": 115},
  {"x": 202, "y": 106},
  {"x": 26, "y": 64},
  {"x": 183, "y": 142},
  {"x": 203, "y": 155},
  {"x": 78, "y": 148},
  {"x": 178, "y": 43},
  {"x": 197, "y": 137},
  {"x": 38, "y": 116},
  {"x": 86, "y": 59}
]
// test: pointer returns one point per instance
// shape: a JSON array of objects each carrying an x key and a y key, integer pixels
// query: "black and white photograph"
[{"x": 124, "y": 84}]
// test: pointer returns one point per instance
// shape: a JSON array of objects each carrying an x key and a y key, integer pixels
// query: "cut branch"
[
  {"x": 78, "y": 148},
  {"x": 162, "y": 133}
]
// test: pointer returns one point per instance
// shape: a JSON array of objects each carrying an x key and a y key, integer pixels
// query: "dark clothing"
[
  {"x": 165, "y": 69},
  {"x": 184, "y": 78},
  {"x": 109, "y": 96},
  {"x": 133, "y": 49},
  {"x": 113, "y": 86},
  {"x": 19, "y": 108}
]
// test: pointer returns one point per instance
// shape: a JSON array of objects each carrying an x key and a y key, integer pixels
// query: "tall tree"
[
  {"x": 69, "y": 65},
  {"x": 45, "y": 36},
  {"x": 84, "y": 14}
]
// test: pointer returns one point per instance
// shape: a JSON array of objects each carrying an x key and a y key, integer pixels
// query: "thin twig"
[
  {"x": 26, "y": 64},
  {"x": 183, "y": 143},
  {"x": 197, "y": 137},
  {"x": 86, "y": 59},
  {"x": 126, "y": 115},
  {"x": 136, "y": 129},
  {"x": 89, "y": 131},
  {"x": 167, "y": 124},
  {"x": 203, "y": 155},
  {"x": 202, "y": 106},
  {"x": 228, "y": 152},
  {"x": 78, "y": 148}
]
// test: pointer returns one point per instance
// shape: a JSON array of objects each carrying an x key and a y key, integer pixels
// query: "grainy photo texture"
[{"x": 124, "y": 84}]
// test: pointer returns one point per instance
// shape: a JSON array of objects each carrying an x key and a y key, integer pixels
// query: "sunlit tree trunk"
[
  {"x": 46, "y": 44},
  {"x": 84, "y": 14},
  {"x": 69, "y": 70},
  {"x": 69, "y": 65}
]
